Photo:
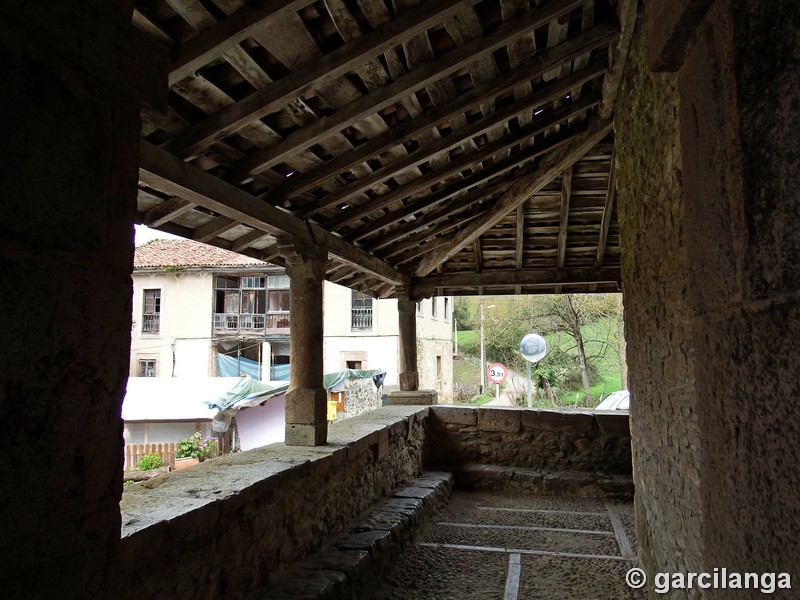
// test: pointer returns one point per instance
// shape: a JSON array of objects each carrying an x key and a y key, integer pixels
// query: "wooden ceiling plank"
[
  {"x": 214, "y": 228},
  {"x": 529, "y": 277},
  {"x": 605, "y": 223},
  {"x": 479, "y": 193},
  {"x": 566, "y": 192},
  {"x": 520, "y": 238},
  {"x": 451, "y": 141},
  {"x": 193, "y": 12},
  {"x": 460, "y": 164},
  {"x": 220, "y": 37},
  {"x": 429, "y": 74},
  {"x": 146, "y": 25},
  {"x": 526, "y": 184},
  {"x": 329, "y": 67},
  {"x": 597, "y": 37},
  {"x": 163, "y": 171},
  {"x": 166, "y": 212},
  {"x": 478, "y": 256},
  {"x": 248, "y": 239}
]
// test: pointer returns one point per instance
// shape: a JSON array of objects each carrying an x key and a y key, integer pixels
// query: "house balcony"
[
  {"x": 361, "y": 319},
  {"x": 274, "y": 322},
  {"x": 402, "y": 502},
  {"x": 151, "y": 323}
]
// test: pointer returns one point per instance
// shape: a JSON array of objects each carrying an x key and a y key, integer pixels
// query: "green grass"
[{"x": 606, "y": 380}]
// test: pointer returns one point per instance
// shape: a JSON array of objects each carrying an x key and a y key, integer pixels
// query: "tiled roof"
[{"x": 187, "y": 253}]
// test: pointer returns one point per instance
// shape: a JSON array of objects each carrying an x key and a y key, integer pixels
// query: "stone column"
[
  {"x": 306, "y": 415},
  {"x": 407, "y": 307}
]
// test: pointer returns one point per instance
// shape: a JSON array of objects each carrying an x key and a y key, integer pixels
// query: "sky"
[{"x": 145, "y": 234}]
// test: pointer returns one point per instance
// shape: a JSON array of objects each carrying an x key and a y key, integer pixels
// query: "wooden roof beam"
[
  {"x": 520, "y": 238},
  {"x": 599, "y": 36},
  {"x": 563, "y": 227},
  {"x": 214, "y": 41},
  {"x": 525, "y": 186},
  {"x": 272, "y": 97},
  {"x": 248, "y": 239},
  {"x": 456, "y": 138},
  {"x": 163, "y": 171},
  {"x": 464, "y": 162},
  {"x": 528, "y": 277},
  {"x": 215, "y": 227},
  {"x": 626, "y": 13},
  {"x": 166, "y": 212},
  {"x": 382, "y": 97},
  {"x": 608, "y": 208}
]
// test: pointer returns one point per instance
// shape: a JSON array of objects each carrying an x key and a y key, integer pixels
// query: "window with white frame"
[
  {"x": 361, "y": 312},
  {"x": 434, "y": 306},
  {"x": 147, "y": 367},
  {"x": 151, "y": 311},
  {"x": 251, "y": 302},
  {"x": 446, "y": 309}
]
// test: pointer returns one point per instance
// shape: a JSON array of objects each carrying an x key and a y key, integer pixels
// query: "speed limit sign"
[{"x": 497, "y": 373}]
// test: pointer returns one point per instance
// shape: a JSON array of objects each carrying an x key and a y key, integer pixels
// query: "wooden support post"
[
  {"x": 407, "y": 309},
  {"x": 306, "y": 400}
]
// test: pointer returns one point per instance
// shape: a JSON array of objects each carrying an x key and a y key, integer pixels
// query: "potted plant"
[{"x": 193, "y": 449}]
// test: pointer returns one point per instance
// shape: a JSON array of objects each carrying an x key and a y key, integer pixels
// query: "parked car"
[{"x": 620, "y": 400}]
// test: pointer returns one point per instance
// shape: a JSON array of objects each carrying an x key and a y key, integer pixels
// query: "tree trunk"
[
  {"x": 623, "y": 362},
  {"x": 575, "y": 326}
]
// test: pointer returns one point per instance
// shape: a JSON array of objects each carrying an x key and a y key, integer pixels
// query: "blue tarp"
[{"x": 230, "y": 366}]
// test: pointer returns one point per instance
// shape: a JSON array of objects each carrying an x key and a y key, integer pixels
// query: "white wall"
[
  {"x": 262, "y": 425},
  {"x": 186, "y": 316}
]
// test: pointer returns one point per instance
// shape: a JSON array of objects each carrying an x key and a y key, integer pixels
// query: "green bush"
[{"x": 151, "y": 461}]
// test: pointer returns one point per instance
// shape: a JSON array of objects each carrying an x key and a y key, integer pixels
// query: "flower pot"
[{"x": 183, "y": 463}]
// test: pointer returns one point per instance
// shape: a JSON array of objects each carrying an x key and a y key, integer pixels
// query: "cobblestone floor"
[{"x": 490, "y": 545}]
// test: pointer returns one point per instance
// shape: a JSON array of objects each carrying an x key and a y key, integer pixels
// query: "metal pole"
[
  {"x": 530, "y": 401},
  {"x": 497, "y": 391},
  {"x": 483, "y": 354}
]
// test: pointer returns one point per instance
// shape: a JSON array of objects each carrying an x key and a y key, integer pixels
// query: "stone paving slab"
[
  {"x": 512, "y": 545},
  {"x": 604, "y": 544}
]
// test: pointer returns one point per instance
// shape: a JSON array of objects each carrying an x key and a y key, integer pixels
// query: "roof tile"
[{"x": 188, "y": 253}]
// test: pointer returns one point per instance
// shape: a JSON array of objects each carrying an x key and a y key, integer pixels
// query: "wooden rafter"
[
  {"x": 215, "y": 227},
  {"x": 212, "y": 42},
  {"x": 605, "y": 223},
  {"x": 527, "y": 184},
  {"x": 597, "y": 37},
  {"x": 566, "y": 191},
  {"x": 530, "y": 277},
  {"x": 336, "y": 64},
  {"x": 167, "y": 173}
]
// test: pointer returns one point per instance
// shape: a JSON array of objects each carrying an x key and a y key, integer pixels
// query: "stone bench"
[{"x": 357, "y": 560}]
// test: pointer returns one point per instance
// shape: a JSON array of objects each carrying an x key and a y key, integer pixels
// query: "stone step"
[
  {"x": 573, "y": 483},
  {"x": 356, "y": 562}
]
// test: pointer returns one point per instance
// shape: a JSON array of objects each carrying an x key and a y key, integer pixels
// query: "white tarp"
[{"x": 173, "y": 398}]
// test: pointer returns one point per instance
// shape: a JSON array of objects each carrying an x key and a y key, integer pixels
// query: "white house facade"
[{"x": 201, "y": 311}]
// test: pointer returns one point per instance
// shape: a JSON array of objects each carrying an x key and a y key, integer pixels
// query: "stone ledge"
[
  {"x": 356, "y": 562},
  {"x": 573, "y": 483},
  {"x": 415, "y": 397}
]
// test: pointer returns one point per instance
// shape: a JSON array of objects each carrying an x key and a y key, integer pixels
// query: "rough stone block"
[
  {"x": 416, "y": 397},
  {"x": 456, "y": 415},
  {"x": 303, "y": 434},
  {"x": 558, "y": 420},
  {"x": 498, "y": 419},
  {"x": 306, "y": 405}
]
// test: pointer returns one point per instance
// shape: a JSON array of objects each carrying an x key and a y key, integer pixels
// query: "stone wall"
[
  {"x": 360, "y": 396},
  {"x": 539, "y": 446},
  {"x": 69, "y": 145},
  {"x": 229, "y": 525},
  {"x": 428, "y": 349},
  {"x": 658, "y": 318},
  {"x": 740, "y": 85}
]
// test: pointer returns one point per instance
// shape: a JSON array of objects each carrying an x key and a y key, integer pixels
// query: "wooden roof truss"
[{"x": 448, "y": 146}]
